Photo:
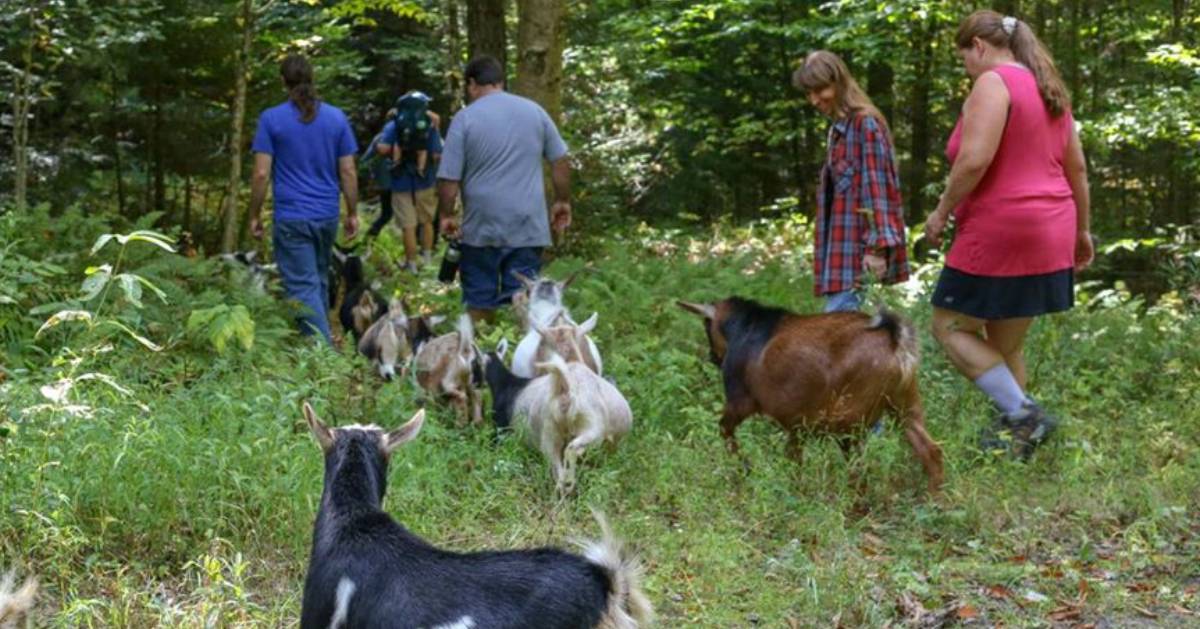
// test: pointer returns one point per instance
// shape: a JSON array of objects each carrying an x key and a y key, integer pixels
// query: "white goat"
[
  {"x": 562, "y": 336},
  {"x": 450, "y": 366},
  {"x": 567, "y": 409},
  {"x": 386, "y": 341},
  {"x": 15, "y": 604}
]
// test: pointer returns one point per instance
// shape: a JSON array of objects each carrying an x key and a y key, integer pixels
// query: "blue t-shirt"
[
  {"x": 408, "y": 181},
  {"x": 305, "y": 159}
]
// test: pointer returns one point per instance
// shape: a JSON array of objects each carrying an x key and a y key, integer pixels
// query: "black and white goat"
[
  {"x": 505, "y": 386},
  {"x": 16, "y": 603},
  {"x": 248, "y": 260},
  {"x": 361, "y": 304},
  {"x": 367, "y": 570},
  {"x": 385, "y": 342},
  {"x": 449, "y": 366}
]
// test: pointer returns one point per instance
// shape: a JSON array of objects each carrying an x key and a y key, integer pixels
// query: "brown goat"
[{"x": 835, "y": 373}]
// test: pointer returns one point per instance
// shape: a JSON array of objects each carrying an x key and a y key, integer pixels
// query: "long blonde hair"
[
  {"x": 821, "y": 69},
  {"x": 1026, "y": 48}
]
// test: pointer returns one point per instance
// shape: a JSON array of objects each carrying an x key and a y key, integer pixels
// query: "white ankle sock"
[{"x": 1000, "y": 385}]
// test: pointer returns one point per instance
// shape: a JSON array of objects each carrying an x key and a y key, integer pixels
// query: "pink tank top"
[{"x": 1020, "y": 219}]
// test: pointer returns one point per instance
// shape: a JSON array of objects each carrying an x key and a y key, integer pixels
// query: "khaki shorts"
[{"x": 408, "y": 213}]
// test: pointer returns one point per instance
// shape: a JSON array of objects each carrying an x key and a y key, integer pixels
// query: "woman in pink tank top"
[{"x": 1019, "y": 195}]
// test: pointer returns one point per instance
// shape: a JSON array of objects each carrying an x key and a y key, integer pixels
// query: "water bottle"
[{"x": 449, "y": 269}]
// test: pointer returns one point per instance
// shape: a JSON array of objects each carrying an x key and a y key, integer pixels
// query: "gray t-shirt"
[{"x": 495, "y": 149}]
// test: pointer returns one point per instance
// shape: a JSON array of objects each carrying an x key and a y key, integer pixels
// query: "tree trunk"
[
  {"x": 540, "y": 37},
  {"x": 453, "y": 56},
  {"x": 187, "y": 202},
  {"x": 22, "y": 98},
  {"x": 918, "y": 168},
  {"x": 160, "y": 178},
  {"x": 880, "y": 80},
  {"x": 230, "y": 213},
  {"x": 486, "y": 33}
]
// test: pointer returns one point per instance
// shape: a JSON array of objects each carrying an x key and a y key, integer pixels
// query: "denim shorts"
[{"x": 487, "y": 276}]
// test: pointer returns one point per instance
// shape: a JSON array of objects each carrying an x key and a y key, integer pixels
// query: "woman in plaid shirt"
[{"x": 860, "y": 221}]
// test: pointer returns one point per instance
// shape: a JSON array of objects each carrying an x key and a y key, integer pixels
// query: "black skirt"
[{"x": 992, "y": 298}]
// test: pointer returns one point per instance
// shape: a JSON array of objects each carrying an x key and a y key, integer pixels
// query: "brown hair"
[
  {"x": 821, "y": 69},
  {"x": 298, "y": 77},
  {"x": 1025, "y": 47}
]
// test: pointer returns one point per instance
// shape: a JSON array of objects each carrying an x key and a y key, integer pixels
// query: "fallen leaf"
[
  {"x": 966, "y": 612},
  {"x": 1067, "y": 612},
  {"x": 1179, "y": 609},
  {"x": 1145, "y": 612},
  {"x": 1034, "y": 596},
  {"x": 1017, "y": 559},
  {"x": 1139, "y": 587},
  {"x": 998, "y": 591}
]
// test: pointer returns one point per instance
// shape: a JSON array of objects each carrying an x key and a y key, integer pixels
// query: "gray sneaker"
[{"x": 1020, "y": 433}]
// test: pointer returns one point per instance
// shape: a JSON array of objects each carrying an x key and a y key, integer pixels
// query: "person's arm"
[
  {"x": 560, "y": 212},
  {"x": 447, "y": 198},
  {"x": 984, "y": 116},
  {"x": 260, "y": 178},
  {"x": 1075, "y": 165},
  {"x": 348, "y": 173},
  {"x": 386, "y": 138},
  {"x": 877, "y": 186}
]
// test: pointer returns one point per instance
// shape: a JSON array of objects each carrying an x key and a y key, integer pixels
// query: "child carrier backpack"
[{"x": 412, "y": 122}]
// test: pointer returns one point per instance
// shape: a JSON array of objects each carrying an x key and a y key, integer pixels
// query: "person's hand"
[
  {"x": 449, "y": 226},
  {"x": 874, "y": 264},
  {"x": 934, "y": 226},
  {"x": 1085, "y": 250},
  {"x": 350, "y": 226},
  {"x": 560, "y": 216},
  {"x": 256, "y": 227}
]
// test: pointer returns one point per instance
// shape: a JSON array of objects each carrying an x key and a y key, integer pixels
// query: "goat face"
[
  {"x": 370, "y": 445},
  {"x": 714, "y": 317},
  {"x": 539, "y": 297},
  {"x": 568, "y": 340}
]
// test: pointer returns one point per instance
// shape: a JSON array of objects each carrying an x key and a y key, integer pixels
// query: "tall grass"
[{"x": 191, "y": 502}]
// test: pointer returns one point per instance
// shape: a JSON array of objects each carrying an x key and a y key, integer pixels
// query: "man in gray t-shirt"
[{"x": 493, "y": 155}]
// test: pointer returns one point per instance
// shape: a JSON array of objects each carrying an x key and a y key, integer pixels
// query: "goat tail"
[
  {"x": 628, "y": 606},
  {"x": 15, "y": 604},
  {"x": 556, "y": 368},
  {"x": 908, "y": 352},
  {"x": 466, "y": 336}
]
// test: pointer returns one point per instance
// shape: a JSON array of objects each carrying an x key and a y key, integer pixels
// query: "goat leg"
[
  {"x": 928, "y": 452},
  {"x": 730, "y": 420}
]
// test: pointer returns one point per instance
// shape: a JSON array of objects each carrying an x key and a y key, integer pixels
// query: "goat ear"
[
  {"x": 587, "y": 326},
  {"x": 405, "y": 433},
  {"x": 502, "y": 348},
  {"x": 435, "y": 321},
  {"x": 571, "y": 278},
  {"x": 251, "y": 255},
  {"x": 319, "y": 430},
  {"x": 339, "y": 254},
  {"x": 524, "y": 279},
  {"x": 708, "y": 311}
]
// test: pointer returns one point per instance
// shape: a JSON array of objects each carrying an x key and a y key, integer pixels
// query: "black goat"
[
  {"x": 361, "y": 305},
  {"x": 505, "y": 386},
  {"x": 366, "y": 570}
]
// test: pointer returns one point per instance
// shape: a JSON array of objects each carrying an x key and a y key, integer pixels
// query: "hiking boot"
[{"x": 1020, "y": 433}]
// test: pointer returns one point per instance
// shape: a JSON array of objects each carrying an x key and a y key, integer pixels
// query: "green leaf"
[
  {"x": 132, "y": 289},
  {"x": 62, "y": 316},
  {"x": 159, "y": 240},
  {"x": 150, "y": 345},
  {"x": 101, "y": 241},
  {"x": 97, "y": 279}
]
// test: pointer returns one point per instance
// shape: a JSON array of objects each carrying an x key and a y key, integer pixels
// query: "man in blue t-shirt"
[
  {"x": 307, "y": 150},
  {"x": 414, "y": 198},
  {"x": 494, "y": 153}
]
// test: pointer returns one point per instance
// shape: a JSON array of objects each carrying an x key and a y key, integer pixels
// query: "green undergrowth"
[{"x": 189, "y": 501}]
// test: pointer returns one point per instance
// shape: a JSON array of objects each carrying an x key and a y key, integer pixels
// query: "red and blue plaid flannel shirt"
[{"x": 863, "y": 213}]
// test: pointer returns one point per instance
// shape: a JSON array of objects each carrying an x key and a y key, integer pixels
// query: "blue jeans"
[
  {"x": 302, "y": 250},
  {"x": 487, "y": 276},
  {"x": 845, "y": 301}
]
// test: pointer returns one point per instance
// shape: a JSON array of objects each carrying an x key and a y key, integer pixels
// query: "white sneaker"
[{"x": 426, "y": 258}]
